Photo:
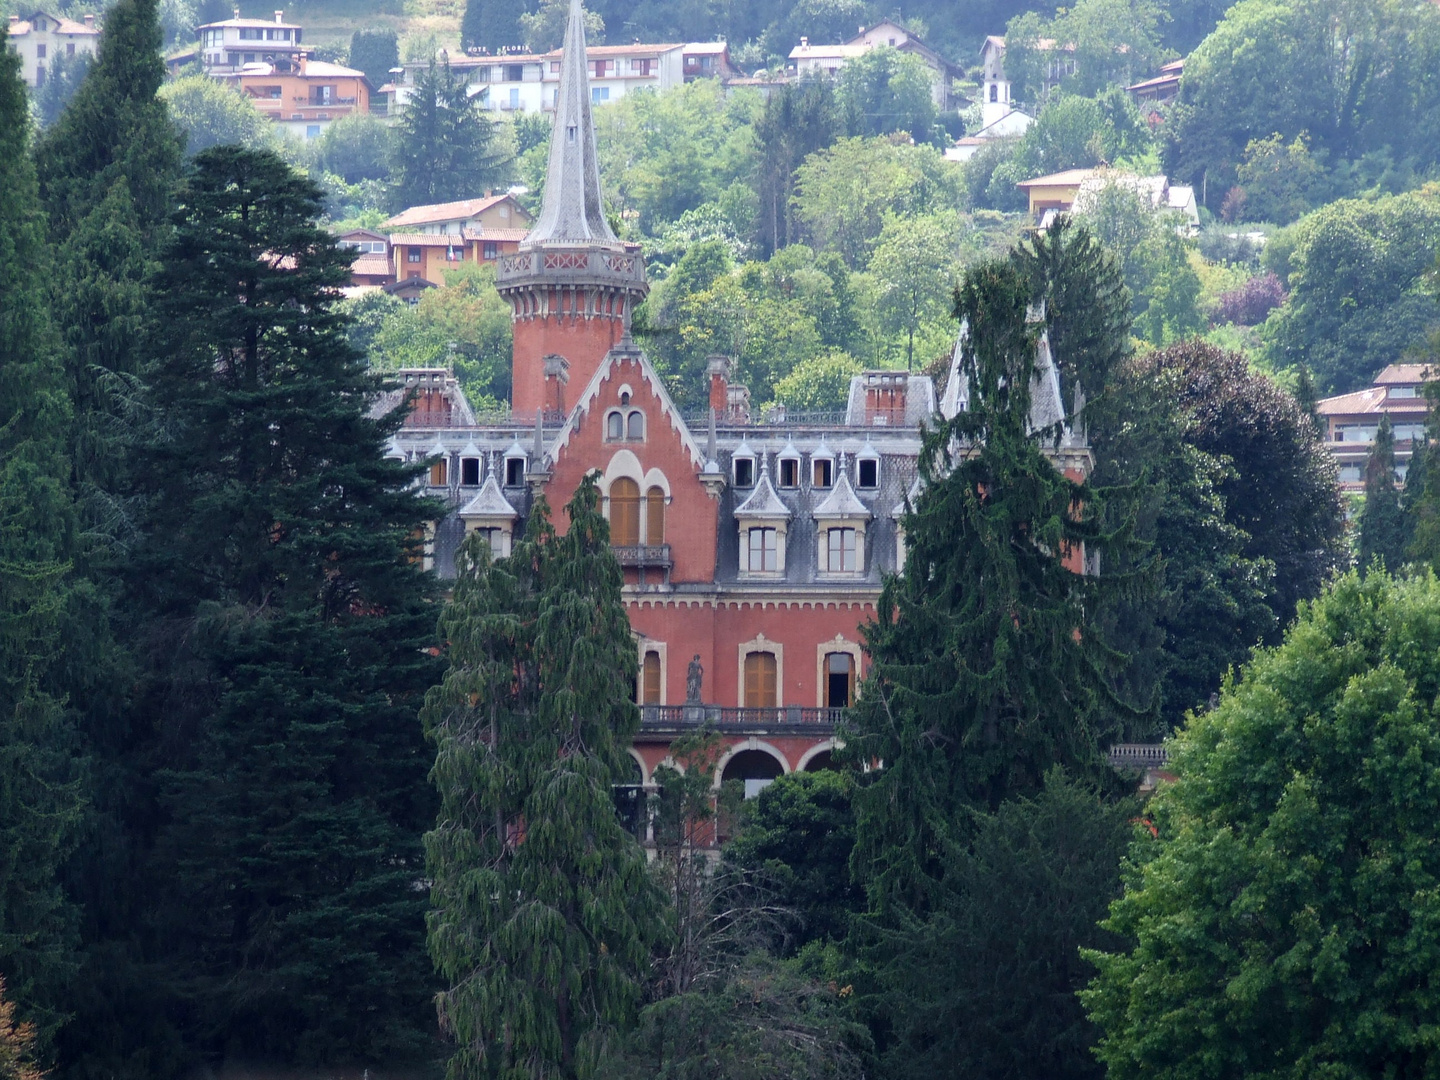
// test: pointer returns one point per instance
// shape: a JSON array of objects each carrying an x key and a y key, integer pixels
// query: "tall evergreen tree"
[
  {"x": 1383, "y": 525},
  {"x": 39, "y": 796},
  {"x": 106, "y": 169},
  {"x": 445, "y": 146},
  {"x": 986, "y": 671},
  {"x": 287, "y": 622},
  {"x": 544, "y": 912},
  {"x": 114, "y": 128}
]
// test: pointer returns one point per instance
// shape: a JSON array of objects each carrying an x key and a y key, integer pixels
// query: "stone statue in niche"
[{"x": 693, "y": 678}]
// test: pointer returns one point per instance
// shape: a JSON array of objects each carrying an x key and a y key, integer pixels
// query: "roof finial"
[{"x": 572, "y": 212}]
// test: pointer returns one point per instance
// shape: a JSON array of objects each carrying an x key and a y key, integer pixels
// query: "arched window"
[
  {"x": 614, "y": 426},
  {"x": 655, "y": 517},
  {"x": 839, "y": 680},
  {"x": 994, "y": 92},
  {"x": 755, "y": 769},
  {"x": 650, "y": 679},
  {"x": 635, "y": 425},
  {"x": 624, "y": 512},
  {"x": 760, "y": 680}
]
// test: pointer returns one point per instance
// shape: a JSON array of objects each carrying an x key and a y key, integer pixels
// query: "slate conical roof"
[
  {"x": 841, "y": 503},
  {"x": 572, "y": 212},
  {"x": 489, "y": 503},
  {"x": 763, "y": 502}
]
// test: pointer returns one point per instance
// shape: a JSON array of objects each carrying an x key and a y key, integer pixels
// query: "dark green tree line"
[{"x": 40, "y": 774}]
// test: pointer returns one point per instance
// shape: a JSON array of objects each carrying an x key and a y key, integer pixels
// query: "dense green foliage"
[
  {"x": 1283, "y": 921},
  {"x": 288, "y": 615},
  {"x": 375, "y": 52},
  {"x": 40, "y": 794},
  {"x": 1358, "y": 293},
  {"x": 212, "y": 113},
  {"x": 986, "y": 986},
  {"x": 1277, "y": 67},
  {"x": 543, "y": 914},
  {"x": 980, "y": 681}
]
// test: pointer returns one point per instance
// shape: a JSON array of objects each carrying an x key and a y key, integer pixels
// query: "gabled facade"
[
  {"x": 753, "y": 550},
  {"x": 41, "y": 38}
]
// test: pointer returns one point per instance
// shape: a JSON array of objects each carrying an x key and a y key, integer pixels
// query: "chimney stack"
[
  {"x": 718, "y": 368},
  {"x": 90, "y": 20},
  {"x": 279, "y": 16},
  {"x": 804, "y": 43},
  {"x": 14, "y": 19}
]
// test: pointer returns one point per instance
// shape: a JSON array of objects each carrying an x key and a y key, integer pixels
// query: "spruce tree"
[
  {"x": 287, "y": 619},
  {"x": 107, "y": 168},
  {"x": 114, "y": 128},
  {"x": 544, "y": 912},
  {"x": 39, "y": 796},
  {"x": 445, "y": 145},
  {"x": 985, "y": 671},
  {"x": 1383, "y": 525}
]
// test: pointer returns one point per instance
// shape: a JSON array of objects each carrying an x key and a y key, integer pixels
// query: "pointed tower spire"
[
  {"x": 572, "y": 212},
  {"x": 572, "y": 286}
]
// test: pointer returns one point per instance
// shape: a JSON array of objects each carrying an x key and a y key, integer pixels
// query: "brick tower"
[{"x": 572, "y": 285}]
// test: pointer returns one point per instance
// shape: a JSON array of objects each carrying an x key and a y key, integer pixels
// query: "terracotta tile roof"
[
  {"x": 1403, "y": 375},
  {"x": 450, "y": 211},
  {"x": 1370, "y": 402},
  {"x": 469, "y": 236},
  {"x": 371, "y": 265}
]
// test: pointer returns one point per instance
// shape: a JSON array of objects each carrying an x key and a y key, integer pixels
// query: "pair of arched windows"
[
  {"x": 625, "y": 515},
  {"x": 625, "y": 426}
]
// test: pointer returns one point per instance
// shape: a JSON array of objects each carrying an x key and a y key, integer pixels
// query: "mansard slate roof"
[{"x": 572, "y": 212}]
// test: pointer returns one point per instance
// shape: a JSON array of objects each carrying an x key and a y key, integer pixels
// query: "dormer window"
[
  {"x": 823, "y": 472},
  {"x": 789, "y": 467},
  {"x": 840, "y": 551},
  {"x": 867, "y": 469},
  {"x": 514, "y": 471},
  {"x": 762, "y": 551},
  {"x": 744, "y": 462},
  {"x": 469, "y": 472},
  {"x": 1401, "y": 392}
]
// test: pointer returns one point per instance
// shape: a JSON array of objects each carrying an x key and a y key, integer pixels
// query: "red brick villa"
[{"x": 756, "y": 545}]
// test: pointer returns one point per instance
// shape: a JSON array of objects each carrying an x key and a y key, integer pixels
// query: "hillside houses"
[{"x": 41, "y": 37}]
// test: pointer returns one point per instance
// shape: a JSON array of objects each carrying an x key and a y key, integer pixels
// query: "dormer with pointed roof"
[
  {"x": 840, "y": 522},
  {"x": 572, "y": 286},
  {"x": 764, "y": 524},
  {"x": 490, "y": 512}
]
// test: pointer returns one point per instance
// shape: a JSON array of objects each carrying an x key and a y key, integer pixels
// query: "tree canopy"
[{"x": 1280, "y": 923}]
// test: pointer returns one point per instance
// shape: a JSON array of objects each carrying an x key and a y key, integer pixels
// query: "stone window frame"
[{"x": 761, "y": 644}]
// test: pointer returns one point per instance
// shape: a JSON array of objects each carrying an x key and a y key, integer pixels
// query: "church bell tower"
[{"x": 572, "y": 286}]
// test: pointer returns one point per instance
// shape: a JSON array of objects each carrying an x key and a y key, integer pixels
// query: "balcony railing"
[
  {"x": 787, "y": 719},
  {"x": 1139, "y": 756},
  {"x": 645, "y": 557}
]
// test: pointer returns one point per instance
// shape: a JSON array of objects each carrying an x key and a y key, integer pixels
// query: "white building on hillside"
[
  {"x": 808, "y": 59},
  {"x": 226, "y": 47},
  {"x": 528, "y": 82},
  {"x": 41, "y": 37}
]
